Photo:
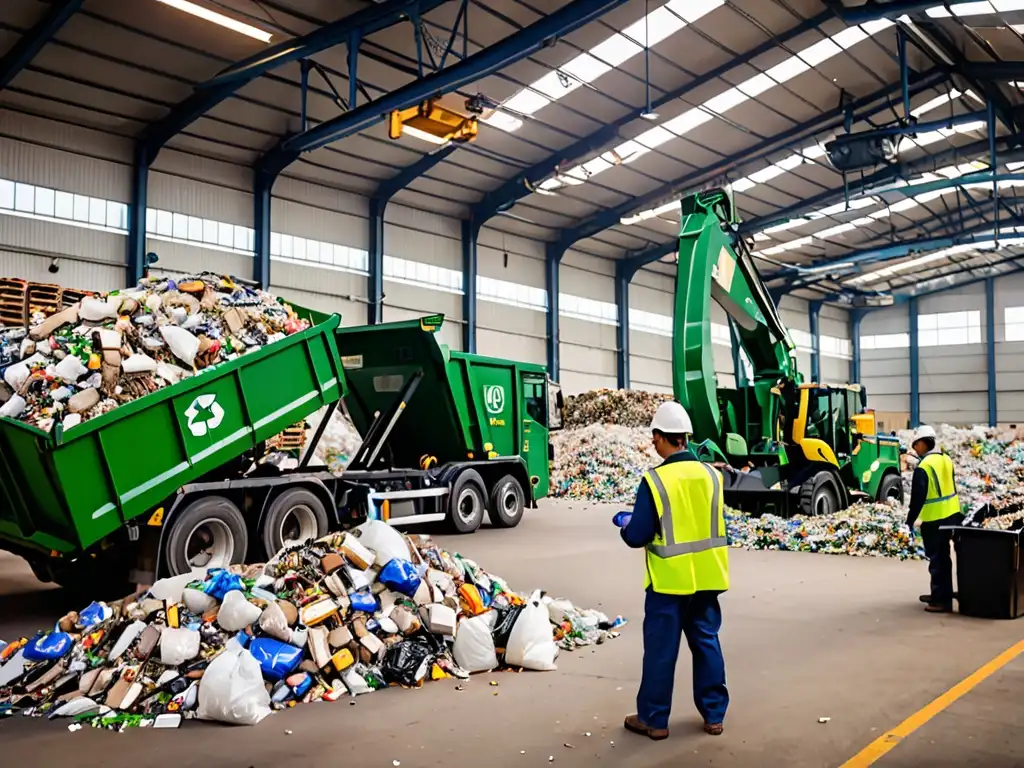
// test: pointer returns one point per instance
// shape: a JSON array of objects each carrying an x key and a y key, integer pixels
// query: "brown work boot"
[
  {"x": 714, "y": 729},
  {"x": 939, "y": 608},
  {"x": 634, "y": 724}
]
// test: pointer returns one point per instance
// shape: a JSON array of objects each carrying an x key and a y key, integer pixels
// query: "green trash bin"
[{"x": 990, "y": 580}]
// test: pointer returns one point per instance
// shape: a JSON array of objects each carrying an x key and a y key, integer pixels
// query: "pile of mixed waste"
[
  {"x": 625, "y": 407},
  {"x": 348, "y": 614},
  {"x": 107, "y": 350}
]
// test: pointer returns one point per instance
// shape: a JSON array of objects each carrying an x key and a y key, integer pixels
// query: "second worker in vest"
[
  {"x": 679, "y": 519},
  {"x": 934, "y": 500}
]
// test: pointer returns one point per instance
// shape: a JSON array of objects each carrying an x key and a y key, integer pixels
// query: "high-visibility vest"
[
  {"x": 690, "y": 550},
  {"x": 942, "y": 499}
]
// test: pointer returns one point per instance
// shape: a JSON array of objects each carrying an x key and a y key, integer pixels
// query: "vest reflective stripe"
[
  {"x": 671, "y": 548},
  {"x": 942, "y": 499},
  {"x": 690, "y": 549}
]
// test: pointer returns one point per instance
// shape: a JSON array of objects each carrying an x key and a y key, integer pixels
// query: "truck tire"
[
  {"x": 466, "y": 502},
  {"x": 211, "y": 526},
  {"x": 507, "y": 503},
  {"x": 891, "y": 487},
  {"x": 293, "y": 517},
  {"x": 819, "y": 495}
]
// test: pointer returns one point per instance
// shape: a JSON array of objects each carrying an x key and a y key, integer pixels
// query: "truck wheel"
[
  {"x": 209, "y": 533},
  {"x": 466, "y": 502},
  {"x": 295, "y": 516},
  {"x": 891, "y": 488},
  {"x": 507, "y": 503},
  {"x": 819, "y": 496}
]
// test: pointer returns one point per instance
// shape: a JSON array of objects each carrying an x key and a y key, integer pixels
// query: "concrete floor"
[{"x": 805, "y": 636}]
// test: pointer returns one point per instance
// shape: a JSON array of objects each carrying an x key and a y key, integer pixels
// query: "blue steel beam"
[
  {"x": 990, "y": 350},
  {"x": 522, "y": 185},
  {"x": 856, "y": 318},
  {"x": 511, "y": 49},
  {"x": 470, "y": 260},
  {"x": 832, "y": 120},
  {"x": 814, "y": 326},
  {"x": 915, "y": 363},
  {"x": 623, "y": 275},
  {"x": 552, "y": 262},
  {"x": 211, "y": 93},
  {"x": 378, "y": 204},
  {"x": 31, "y": 43}
]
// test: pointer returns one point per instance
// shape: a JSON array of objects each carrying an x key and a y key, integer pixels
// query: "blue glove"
[{"x": 621, "y": 519}]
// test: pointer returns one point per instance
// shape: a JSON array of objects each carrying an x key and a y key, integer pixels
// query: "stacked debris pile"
[
  {"x": 862, "y": 530},
  {"x": 104, "y": 351},
  {"x": 340, "y": 440},
  {"x": 601, "y": 462},
  {"x": 625, "y": 407},
  {"x": 348, "y": 614}
]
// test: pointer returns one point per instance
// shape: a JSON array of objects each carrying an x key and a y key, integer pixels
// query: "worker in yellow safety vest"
[
  {"x": 934, "y": 501},
  {"x": 679, "y": 519}
]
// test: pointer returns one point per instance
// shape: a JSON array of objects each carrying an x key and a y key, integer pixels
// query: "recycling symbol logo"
[
  {"x": 494, "y": 399},
  {"x": 204, "y": 415}
]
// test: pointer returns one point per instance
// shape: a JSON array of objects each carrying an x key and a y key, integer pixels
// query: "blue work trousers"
[{"x": 666, "y": 619}]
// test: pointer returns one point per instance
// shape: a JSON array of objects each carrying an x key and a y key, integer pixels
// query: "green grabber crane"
[{"x": 784, "y": 445}]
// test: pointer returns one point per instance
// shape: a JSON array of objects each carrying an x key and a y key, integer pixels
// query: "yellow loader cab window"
[{"x": 812, "y": 416}]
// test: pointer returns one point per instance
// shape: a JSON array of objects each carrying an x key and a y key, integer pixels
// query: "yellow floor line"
[{"x": 887, "y": 741}]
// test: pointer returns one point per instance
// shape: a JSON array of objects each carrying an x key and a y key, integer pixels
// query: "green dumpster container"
[{"x": 64, "y": 492}]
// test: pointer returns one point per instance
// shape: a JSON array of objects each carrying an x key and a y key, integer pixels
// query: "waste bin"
[{"x": 989, "y": 575}]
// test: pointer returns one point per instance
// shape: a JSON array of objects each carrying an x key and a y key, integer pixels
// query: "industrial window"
[
  {"x": 885, "y": 341},
  {"x": 417, "y": 273},
  {"x": 512, "y": 294},
  {"x": 34, "y": 202},
  {"x": 587, "y": 309},
  {"x": 650, "y": 322},
  {"x": 948, "y": 328},
  {"x": 1013, "y": 317}
]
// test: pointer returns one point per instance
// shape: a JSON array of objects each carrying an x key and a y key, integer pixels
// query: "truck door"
[{"x": 534, "y": 448}]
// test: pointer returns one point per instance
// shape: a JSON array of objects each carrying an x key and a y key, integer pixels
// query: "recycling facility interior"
[{"x": 133, "y": 130}]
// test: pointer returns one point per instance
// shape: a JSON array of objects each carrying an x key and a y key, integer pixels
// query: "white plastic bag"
[
  {"x": 355, "y": 683},
  {"x": 14, "y": 407},
  {"x": 474, "y": 645},
  {"x": 183, "y": 344},
  {"x": 558, "y": 608},
  {"x": 384, "y": 540},
  {"x": 531, "y": 643},
  {"x": 178, "y": 646},
  {"x": 275, "y": 624},
  {"x": 236, "y": 612},
  {"x": 170, "y": 589},
  {"x": 232, "y": 690}
]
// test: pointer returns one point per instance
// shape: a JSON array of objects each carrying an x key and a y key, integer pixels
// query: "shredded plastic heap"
[
  {"x": 107, "y": 350},
  {"x": 625, "y": 407},
  {"x": 348, "y": 614}
]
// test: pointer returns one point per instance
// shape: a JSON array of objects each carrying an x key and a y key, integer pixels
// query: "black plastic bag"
[
  {"x": 507, "y": 618},
  {"x": 407, "y": 662}
]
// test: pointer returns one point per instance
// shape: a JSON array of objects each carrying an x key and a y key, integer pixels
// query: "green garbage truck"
[{"x": 174, "y": 480}]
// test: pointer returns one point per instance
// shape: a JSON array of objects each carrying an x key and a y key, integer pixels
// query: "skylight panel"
[
  {"x": 655, "y": 137},
  {"x": 876, "y": 26},
  {"x": 659, "y": 24},
  {"x": 630, "y": 151},
  {"x": 504, "y": 121},
  {"x": 692, "y": 10},
  {"x": 617, "y": 49},
  {"x": 972, "y": 9},
  {"x": 586, "y": 68},
  {"x": 756, "y": 85},
  {"x": 596, "y": 165},
  {"x": 742, "y": 185},
  {"x": 527, "y": 102},
  {"x": 791, "y": 162},
  {"x": 849, "y": 37},
  {"x": 788, "y": 69},
  {"x": 838, "y": 229},
  {"x": 767, "y": 174},
  {"x": 687, "y": 121},
  {"x": 823, "y": 50},
  {"x": 726, "y": 100},
  {"x": 1008, "y": 5},
  {"x": 935, "y": 103},
  {"x": 791, "y": 224}
]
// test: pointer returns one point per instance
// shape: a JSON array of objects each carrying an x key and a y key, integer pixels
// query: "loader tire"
[
  {"x": 819, "y": 496},
  {"x": 507, "y": 503},
  {"x": 891, "y": 487},
  {"x": 209, "y": 533},
  {"x": 466, "y": 502},
  {"x": 294, "y": 517}
]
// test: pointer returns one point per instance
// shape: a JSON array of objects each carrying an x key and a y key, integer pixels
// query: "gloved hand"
[
  {"x": 621, "y": 519},
  {"x": 910, "y": 532}
]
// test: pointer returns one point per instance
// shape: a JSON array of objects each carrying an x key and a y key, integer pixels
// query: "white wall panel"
[
  {"x": 969, "y": 297},
  {"x": 178, "y": 258},
  {"x": 320, "y": 289},
  {"x": 511, "y": 332},
  {"x": 73, "y": 273},
  {"x": 889, "y": 320}
]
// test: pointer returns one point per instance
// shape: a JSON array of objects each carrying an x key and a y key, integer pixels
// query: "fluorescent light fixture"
[{"x": 218, "y": 18}]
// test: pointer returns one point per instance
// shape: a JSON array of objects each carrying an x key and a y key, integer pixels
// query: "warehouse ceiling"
[{"x": 590, "y": 140}]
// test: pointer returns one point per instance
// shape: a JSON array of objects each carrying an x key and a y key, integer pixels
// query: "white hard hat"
[
  {"x": 924, "y": 432},
  {"x": 671, "y": 419}
]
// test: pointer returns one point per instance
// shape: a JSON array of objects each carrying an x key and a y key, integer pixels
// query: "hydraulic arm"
[{"x": 714, "y": 264}]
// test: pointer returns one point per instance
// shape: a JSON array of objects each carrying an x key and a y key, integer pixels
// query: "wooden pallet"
[
  {"x": 292, "y": 439},
  {"x": 45, "y": 297},
  {"x": 13, "y": 301},
  {"x": 73, "y": 296}
]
